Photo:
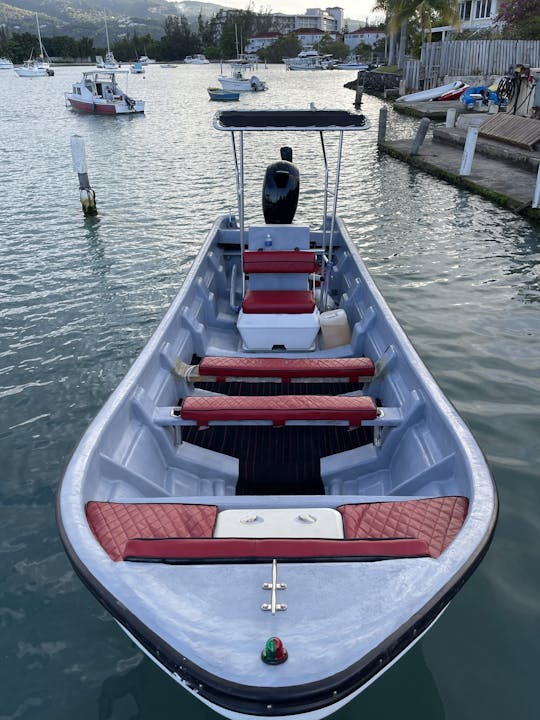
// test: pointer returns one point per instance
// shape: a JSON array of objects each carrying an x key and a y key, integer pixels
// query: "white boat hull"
[
  {"x": 240, "y": 85},
  {"x": 431, "y": 94}
]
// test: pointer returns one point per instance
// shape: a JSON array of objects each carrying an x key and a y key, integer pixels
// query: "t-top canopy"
[{"x": 289, "y": 120}]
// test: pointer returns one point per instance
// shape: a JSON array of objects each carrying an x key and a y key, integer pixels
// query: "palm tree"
[{"x": 400, "y": 12}]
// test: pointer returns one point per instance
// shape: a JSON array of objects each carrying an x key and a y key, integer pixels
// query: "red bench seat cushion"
[
  {"x": 354, "y": 369},
  {"x": 266, "y": 549},
  {"x": 279, "y": 302},
  {"x": 114, "y": 524},
  {"x": 436, "y": 521},
  {"x": 278, "y": 408},
  {"x": 279, "y": 261}
]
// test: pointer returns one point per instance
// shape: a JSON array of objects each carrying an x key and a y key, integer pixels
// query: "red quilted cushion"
[
  {"x": 279, "y": 261},
  {"x": 262, "y": 549},
  {"x": 354, "y": 369},
  {"x": 278, "y": 408},
  {"x": 114, "y": 524},
  {"x": 286, "y": 302},
  {"x": 437, "y": 521}
]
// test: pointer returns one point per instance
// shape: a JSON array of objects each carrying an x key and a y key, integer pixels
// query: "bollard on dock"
[
  {"x": 88, "y": 196},
  {"x": 536, "y": 197},
  {"x": 420, "y": 136},
  {"x": 468, "y": 151}
]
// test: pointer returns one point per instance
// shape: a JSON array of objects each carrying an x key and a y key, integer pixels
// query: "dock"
[
  {"x": 434, "y": 110},
  {"x": 502, "y": 172}
]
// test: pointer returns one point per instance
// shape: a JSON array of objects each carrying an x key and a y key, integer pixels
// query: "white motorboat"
[
  {"x": 240, "y": 81},
  {"x": 309, "y": 60},
  {"x": 5, "y": 64},
  {"x": 278, "y": 500},
  {"x": 98, "y": 92},
  {"x": 196, "y": 60},
  {"x": 352, "y": 63}
]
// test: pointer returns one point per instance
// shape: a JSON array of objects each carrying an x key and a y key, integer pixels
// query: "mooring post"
[
  {"x": 88, "y": 196},
  {"x": 450, "y": 117},
  {"x": 383, "y": 116},
  {"x": 359, "y": 88},
  {"x": 420, "y": 135},
  {"x": 536, "y": 198},
  {"x": 468, "y": 151}
]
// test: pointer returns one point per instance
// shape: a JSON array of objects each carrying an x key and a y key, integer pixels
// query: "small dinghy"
[
  {"x": 222, "y": 95},
  {"x": 433, "y": 93},
  {"x": 278, "y": 500}
]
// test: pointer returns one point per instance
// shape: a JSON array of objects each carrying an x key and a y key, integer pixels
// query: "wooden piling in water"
[
  {"x": 87, "y": 195},
  {"x": 359, "y": 89},
  {"x": 383, "y": 116}
]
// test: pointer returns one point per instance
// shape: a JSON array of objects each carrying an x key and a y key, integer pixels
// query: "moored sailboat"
[{"x": 39, "y": 66}]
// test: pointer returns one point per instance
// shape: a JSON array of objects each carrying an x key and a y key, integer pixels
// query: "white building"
[
  {"x": 367, "y": 35},
  {"x": 329, "y": 20},
  {"x": 474, "y": 15},
  {"x": 310, "y": 36},
  {"x": 260, "y": 40}
]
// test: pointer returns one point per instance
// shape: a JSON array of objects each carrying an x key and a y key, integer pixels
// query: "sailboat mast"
[
  {"x": 107, "y": 33},
  {"x": 39, "y": 37}
]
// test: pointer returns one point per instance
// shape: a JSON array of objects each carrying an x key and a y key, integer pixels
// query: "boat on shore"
[
  {"x": 98, "y": 92},
  {"x": 278, "y": 500},
  {"x": 39, "y": 66},
  {"x": 433, "y": 93},
  {"x": 222, "y": 95}
]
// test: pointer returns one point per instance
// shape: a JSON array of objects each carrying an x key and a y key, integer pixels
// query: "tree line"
[{"x": 222, "y": 36}]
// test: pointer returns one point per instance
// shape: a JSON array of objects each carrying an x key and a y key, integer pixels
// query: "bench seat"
[
  {"x": 278, "y": 409},
  {"x": 397, "y": 528},
  {"x": 278, "y": 302},
  {"x": 182, "y": 550},
  {"x": 279, "y": 261},
  {"x": 359, "y": 369}
]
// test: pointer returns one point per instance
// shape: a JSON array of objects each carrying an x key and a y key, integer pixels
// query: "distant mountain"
[{"x": 84, "y": 18}]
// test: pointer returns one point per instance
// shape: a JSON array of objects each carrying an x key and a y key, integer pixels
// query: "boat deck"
[{"x": 279, "y": 461}]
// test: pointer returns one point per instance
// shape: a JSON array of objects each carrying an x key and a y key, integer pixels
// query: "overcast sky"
[{"x": 356, "y": 9}]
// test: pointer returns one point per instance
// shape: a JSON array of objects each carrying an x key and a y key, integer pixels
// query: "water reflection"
[
  {"x": 146, "y": 693},
  {"x": 411, "y": 681}
]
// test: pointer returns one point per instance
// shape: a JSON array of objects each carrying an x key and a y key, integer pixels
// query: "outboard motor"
[{"x": 280, "y": 190}]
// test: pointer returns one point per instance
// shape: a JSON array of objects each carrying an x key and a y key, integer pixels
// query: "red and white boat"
[{"x": 98, "y": 92}]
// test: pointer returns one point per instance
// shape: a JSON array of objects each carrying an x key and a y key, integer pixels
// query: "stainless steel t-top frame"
[{"x": 293, "y": 121}]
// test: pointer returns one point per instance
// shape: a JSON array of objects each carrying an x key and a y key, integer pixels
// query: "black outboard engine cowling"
[{"x": 280, "y": 190}]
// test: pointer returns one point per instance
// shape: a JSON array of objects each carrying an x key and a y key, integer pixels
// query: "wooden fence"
[
  {"x": 478, "y": 57},
  {"x": 469, "y": 57}
]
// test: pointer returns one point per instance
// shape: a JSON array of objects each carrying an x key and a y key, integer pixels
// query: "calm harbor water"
[{"x": 79, "y": 299}]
